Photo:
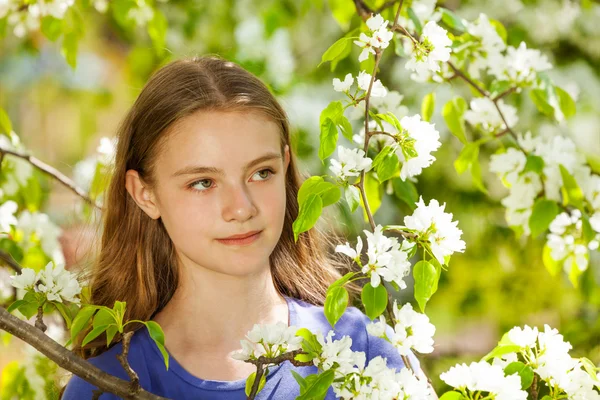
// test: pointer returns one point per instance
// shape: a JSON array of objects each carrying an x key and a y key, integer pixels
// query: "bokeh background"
[{"x": 62, "y": 113}]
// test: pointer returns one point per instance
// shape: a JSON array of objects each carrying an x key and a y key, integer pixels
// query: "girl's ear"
[{"x": 143, "y": 197}]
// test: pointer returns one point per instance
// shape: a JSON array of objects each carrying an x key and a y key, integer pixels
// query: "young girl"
[{"x": 204, "y": 157}]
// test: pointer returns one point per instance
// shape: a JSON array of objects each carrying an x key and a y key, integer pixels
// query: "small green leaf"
[
  {"x": 501, "y": 350},
  {"x": 452, "y": 396},
  {"x": 415, "y": 20},
  {"x": 452, "y": 20},
  {"x": 540, "y": 99},
  {"x": 300, "y": 379},
  {"x": 406, "y": 191},
  {"x": 336, "y": 50},
  {"x": 565, "y": 102},
  {"x": 328, "y": 138},
  {"x": 534, "y": 163},
  {"x": 110, "y": 333},
  {"x": 309, "y": 213},
  {"x": 5, "y": 124},
  {"x": 524, "y": 371},
  {"x": 553, "y": 266},
  {"x": 69, "y": 48},
  {"x": 453, "y": 112},
  {"x": 544, "y": 212},
  {"x": 375, "y": 300},
  {"x": 572, "y": 193},
  {"x": 105, "y": 316},
  {"x": 157, "y": 334},
  {"x": 65, "y": 312},
  {"x": 352, "y": 195},
  {"x": 94, "y": 334},
  {"x": 336, "y": 303},
  {"x": 16, "y": 305},
  {"x": 425, "y": 275},
  {"x": 51, "y": 27},
  {"x": 81, "y": 320},
  {"x": 250, "y": 382},
  {"x": 428, "y": 106},
  {"x": 319, "y": 386}
]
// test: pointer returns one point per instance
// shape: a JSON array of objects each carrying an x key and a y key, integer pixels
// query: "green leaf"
[
  {"x": 540, "y": 99},
  {"x": 501, "y": 350},
  {"x": 345, "y": 126},
  {"x": 571, "y": 192},
  {"x": 318, "y": 387},
  {"x": 250, "y": 382},
  {"x": 65, "y": 312},
  {"x": 375, "y": 300},
  {"x": 428, "y": 106},
  {"x": 81, "y": 320},
  {"x": 300, "y": 379},
  {"x": 498, "y": 87},
  {"x": 553, "y": 266},
  {"x": 425, "y": 275},
  {"x": 453, "y": 112},
  {"x": 465, "y": 159},
  {"x": 391, "y": 119},
  {"x": 406, "y": 191},
  {"x": 110, "y": 333},
  {"x": 16, "y": 305},
  {"x": 5, "y": 124},
  {"x": 309, "y": 213},
  {"x": 51, "y": 27},
  {"x": 589, "y": 367},
  {"x": 157, "y": 334},
  {"x": 500, "y": 29},
  {"x": 94, "y": 334},
  {"x": 534, "y": 163},
  {"x": 452, "y": 396},
  {"x": 452, "y": 20},
  {"x": 336, "y": 50},
  {"x": 336, "y": 303},
  {"x": 415, "y": 20},
  {"x": 543, "y": 213},
  {"x": 69, "y": 48},
  {"x": 524, "y": 371},
  {"x": 328, "y": 138},
  {"x": 352, "y": 195},
  {"x": 342, "y": 281},
  {"x": 565, "y": 102},
  {"x": 105, "y": 316},
  {"x": 374, "y": 192}
]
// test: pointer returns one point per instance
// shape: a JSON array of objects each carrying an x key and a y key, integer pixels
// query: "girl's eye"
[{"x": 199, "y": 182}]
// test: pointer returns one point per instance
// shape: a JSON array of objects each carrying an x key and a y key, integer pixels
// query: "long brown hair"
[{"x": 137, "y": 261}]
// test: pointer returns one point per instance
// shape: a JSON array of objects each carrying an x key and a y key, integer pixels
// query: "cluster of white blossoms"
[
  {"x": 24, "y": 19},
  {"x": 379, "y": 38},
  {"x": 567, "y": 243},
  {"x": 484, "y": 377},
  {"x": 525, "y": 185},
  {"x": 483, "y": 114},
  {"x": 388, "y": 259},
  {"x": 519, "y": 65},
  {"x": 269, "y": 340},
  {"x": 412, "y": 330},
  {"x": 548, "y": 355},
  {"x": 416, "y": 142},
  {"x": 354, "y": 380},
  {"x": 55, "y": 282},
  {"x": 436, "y": 227},
  {"x": 489, "y": 45},
  {"x": 426, "y": 55},
  {"x": 142, "y": 13},
  {"x": 351, "y": 162},
  {"x": 363, "y": 80}
]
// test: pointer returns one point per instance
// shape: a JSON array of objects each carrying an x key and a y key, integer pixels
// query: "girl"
[{"x": 198, "y": 237}]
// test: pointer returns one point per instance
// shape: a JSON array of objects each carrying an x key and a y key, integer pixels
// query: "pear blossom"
[
  {"x": 343, "y": 86},
  {"x": 524, "y": 337},
  {"x": 387, "y": 258},
  {"x": 28, "y": 19},
  {"x": 491, "y": 45},
  {"x": 433, "y": 49},
  {"x": 106, "y": 150},
  {"x": 57, "y": 283},
  {"x": 380, "y": 38},
  {"x": 364, "y": 80},
  {"x": 269, "y": 340},
  {"x": 483, "y": 113},
  {"x": 7, "y": 217},
  {"x": 25, "y": 280},
  {"x": 349, "y": 251},
  {"x": 566, "y": 241},
  {"x": 417, "y": 141},
  {"x": 519, "y": 65},
  {"x": 435, "y": 226},
  {"x": 351, "y": 163},
  {"x": 337, "y": 352}
]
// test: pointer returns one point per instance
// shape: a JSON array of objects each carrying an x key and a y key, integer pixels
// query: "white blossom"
[
  {"x": 483, "y": 113},
  {"x": 7, "y": 217},
  {"x": 566, "y": 241},
  {"x": 351, "y": 163},
  {"x": 412, "y": 331},
  {"x": 481, "y": 376},
  {"x": 58, "y": 284},
  {"x": 269, "y": 340},
  {"x": 343, "y": 86},
  {"x": 380, "y": 37},
  {"x": 25, "y": 280},
  {"x": 519, "y": 65},
  {"x": 364, "y": 80},
  {"x": 433, "y": 49},
  {"x": 435, "y": 226},
  {"x": 524, "y": 337},
  {"x": 417, "y": 141}
]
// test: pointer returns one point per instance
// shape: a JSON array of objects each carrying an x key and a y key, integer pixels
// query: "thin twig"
[{"x": 9, "y": 261}]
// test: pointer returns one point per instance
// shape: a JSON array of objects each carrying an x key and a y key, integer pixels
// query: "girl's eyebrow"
[{"x": 197, "y": 169}]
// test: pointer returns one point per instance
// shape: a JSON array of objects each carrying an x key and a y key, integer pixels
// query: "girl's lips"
[{"x": 240, "y": 242}]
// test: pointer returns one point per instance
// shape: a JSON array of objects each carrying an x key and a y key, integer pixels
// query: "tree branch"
[
  {"x": 9, "y": 261},
  {"x": 68, "y": 360},
  {"x": 52, "y": 172}
]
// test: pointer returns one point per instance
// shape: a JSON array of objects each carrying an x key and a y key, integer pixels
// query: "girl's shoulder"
[
  {"x": 353, "y": 323},
  {"x": 78, "y": 388}
]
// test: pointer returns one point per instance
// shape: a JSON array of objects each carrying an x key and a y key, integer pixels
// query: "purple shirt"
[{"x": 177, "y": 383}]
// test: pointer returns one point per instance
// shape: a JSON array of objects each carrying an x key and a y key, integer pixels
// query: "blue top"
[{"x": 177, "y": 383}]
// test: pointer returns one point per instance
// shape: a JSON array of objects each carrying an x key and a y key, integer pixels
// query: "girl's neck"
[{"x": 213, "y": 311}]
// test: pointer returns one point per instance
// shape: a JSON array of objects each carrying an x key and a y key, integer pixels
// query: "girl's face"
[{"x": 221, "y": 174}]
